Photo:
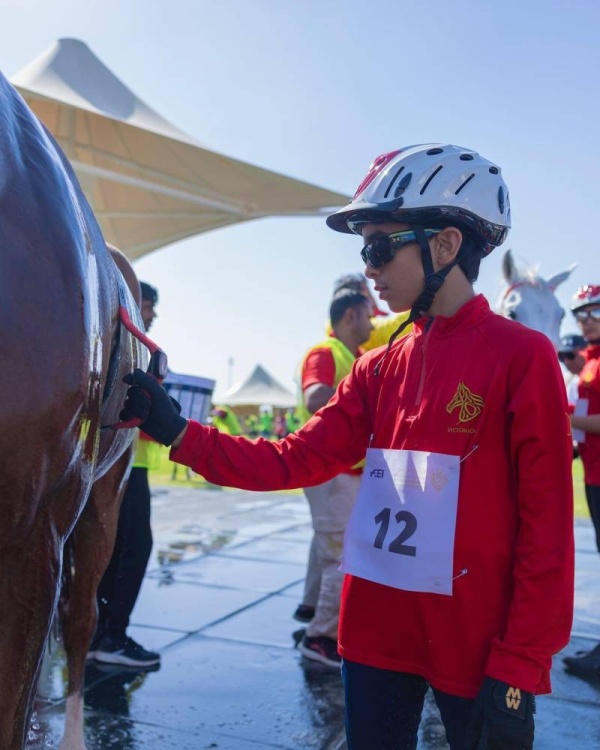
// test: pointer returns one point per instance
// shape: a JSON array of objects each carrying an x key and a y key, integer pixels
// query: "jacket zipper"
[{"x": 426, "y": 331}]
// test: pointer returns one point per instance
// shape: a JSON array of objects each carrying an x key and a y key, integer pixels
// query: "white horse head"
[{"x": 530, "y": 299}]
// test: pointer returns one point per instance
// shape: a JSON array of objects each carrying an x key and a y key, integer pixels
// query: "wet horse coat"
[{"x": 59, "y": 299}]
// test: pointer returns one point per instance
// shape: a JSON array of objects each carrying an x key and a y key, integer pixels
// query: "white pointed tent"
[
  {"x": 148, "y": 183},
  {"x": 259, "y": 389}
]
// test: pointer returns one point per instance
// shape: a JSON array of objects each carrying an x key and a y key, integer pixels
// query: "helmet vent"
[
  {"x": 501, "y": 199},
  {"x": 434, "y": 151},
  {"x": 403, "y": 184},
  {"x": 466, "y": 157},
  {"x": 494, "y": 170},
  {"x": 465, "y": 183},
  {"x": 398, "y": 173},
  {"x": 431, "y": 176}
]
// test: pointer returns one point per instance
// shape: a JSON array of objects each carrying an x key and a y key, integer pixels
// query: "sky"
[{"x": 316, "y": 90}]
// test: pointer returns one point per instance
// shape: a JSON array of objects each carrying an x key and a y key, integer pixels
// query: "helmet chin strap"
[{"x": 434, "y": 281}]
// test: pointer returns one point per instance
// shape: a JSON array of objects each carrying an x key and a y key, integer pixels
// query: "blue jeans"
[{"x": 383, "y": 709}]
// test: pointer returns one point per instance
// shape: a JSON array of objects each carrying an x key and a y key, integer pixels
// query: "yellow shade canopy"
[{"x": 149, "y": 183}]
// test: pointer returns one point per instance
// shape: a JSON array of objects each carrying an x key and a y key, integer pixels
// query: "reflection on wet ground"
[{"x": 226, "y": 574}]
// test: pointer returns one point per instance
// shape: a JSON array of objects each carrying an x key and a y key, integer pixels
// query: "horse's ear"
[
  {"x": 560, "y": 277},
  {"x": 509, "y": 268}
]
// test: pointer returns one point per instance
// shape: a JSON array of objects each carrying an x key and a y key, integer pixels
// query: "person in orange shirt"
[{"x": 331, "y": 502}]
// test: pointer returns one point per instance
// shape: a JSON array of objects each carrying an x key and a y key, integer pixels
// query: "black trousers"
[
  {"x": 592, "y": 495},
  {"x": 121, "y": 583},
  {"x": 383, "y": 709}
]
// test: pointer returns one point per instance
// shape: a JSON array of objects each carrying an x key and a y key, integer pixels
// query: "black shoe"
[
  {"x": 298, "y": 636},
  {"x": 304, "y": 613},
  {"x": 125, "y": 651},
  {"x": 321, "y": 648},
  {"x": 587, "y": 665}
]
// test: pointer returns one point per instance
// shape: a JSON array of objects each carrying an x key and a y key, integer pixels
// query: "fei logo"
[
  {"x": 513, "y": 698},
  {"x": 468, "y": 403}
]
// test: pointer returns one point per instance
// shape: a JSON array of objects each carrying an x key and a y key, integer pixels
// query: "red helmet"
[{"x": 586, "y": 295}]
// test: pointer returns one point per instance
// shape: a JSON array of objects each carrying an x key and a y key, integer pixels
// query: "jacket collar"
[{"x": 468, "y": 314}]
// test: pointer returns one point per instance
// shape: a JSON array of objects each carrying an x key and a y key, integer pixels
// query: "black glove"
[
  {"x": 147, "y": 400},
  {"x": 502, "y": 718}
]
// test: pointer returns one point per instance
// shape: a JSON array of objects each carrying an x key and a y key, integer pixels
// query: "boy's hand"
[{"x": 147, "y": 400}]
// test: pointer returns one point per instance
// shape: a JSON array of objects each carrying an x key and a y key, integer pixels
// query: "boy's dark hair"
[
  {"x": 343, "y": 300},
  {"x": 472, "y": 249},
  {"x": 149, "y": 293}
]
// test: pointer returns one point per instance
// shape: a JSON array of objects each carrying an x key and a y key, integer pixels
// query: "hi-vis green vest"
[
  {"x": 343, "y": 360},
  {"x": 146, "y": 454},
  {"x": 229, "y": 423}
]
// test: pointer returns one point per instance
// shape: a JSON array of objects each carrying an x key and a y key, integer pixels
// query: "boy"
[{"x": 459, "y": 552}]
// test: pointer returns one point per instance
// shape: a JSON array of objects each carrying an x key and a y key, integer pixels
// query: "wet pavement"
[{"x": 226, "y": 574}]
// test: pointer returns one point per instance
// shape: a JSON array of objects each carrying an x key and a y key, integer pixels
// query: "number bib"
[{"x": 401, "y": 531}]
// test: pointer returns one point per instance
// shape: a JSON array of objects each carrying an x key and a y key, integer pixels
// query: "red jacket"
[
  {"x": 512, "y": 610},
  {"x": 589, "y": 387}
]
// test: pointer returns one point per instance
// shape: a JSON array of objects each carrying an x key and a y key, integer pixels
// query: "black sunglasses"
[
  {"x": 382, "y": 247},
  {"x": 566, "y": 356}
]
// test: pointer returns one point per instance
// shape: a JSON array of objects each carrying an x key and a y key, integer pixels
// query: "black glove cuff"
[
  {"x": 512, "y": 701},
  {"x": 166, "y": 433}
]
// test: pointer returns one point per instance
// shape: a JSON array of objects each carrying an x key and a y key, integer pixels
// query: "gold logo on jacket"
[{"x": 468, "y": 403}]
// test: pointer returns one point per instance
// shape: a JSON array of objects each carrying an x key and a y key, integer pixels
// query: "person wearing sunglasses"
[
  {"x": 458, "y": 556},
  {"x": 570, "y": 355},
  {"x": 586, "y": 310}
]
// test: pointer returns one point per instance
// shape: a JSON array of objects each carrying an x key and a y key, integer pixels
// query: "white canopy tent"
[
  {"x": 148, "y": 183},
  {"x": 259, "y": 389}
]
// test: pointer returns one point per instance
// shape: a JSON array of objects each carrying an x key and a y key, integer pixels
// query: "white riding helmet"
[
  {"x": 586, "y": 295},
  {"x": 431, "y": 182}
]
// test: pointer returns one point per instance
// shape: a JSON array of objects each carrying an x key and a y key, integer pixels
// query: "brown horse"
[{"x": 64, "y": 353}]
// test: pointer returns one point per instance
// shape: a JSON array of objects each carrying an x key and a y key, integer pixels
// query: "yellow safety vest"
[
  {"x": 343, "y": 360},
  {"x": 229, "y": 423},
  {"x": 383, "y": 329},
  {"x": 147, "y": 454}
]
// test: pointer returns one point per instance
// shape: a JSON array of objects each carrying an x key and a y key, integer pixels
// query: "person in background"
[
  {"x": 252, "y": 425},
  {"x": 120, "y": 586},
  {"x": 383, "y": 325},
  {"x": 225, "y": 420},
  {"x": 292, "y": 422},
  {"x": 570, "y": 355},
  {"x": 265, "y": 422},
  {"x": 281, "y": 429},
  {"x": 586, "y": 309},
  {"x": 459, "y": 554},
  {"x": 323, "y": 368}
]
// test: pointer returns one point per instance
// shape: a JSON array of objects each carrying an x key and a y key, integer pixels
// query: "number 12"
[{"x": 396, "y": 545}]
